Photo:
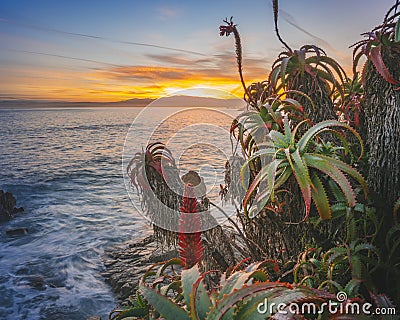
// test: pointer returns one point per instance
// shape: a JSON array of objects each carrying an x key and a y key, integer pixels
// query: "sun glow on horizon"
[{"x": 148, "y": 53}]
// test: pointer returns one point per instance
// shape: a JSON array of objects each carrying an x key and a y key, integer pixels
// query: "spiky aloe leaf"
[
  {"x": 320, "y": 198},
  {"x": 352, "y": 287},
  {"x": 338, "y": 194},
  {"x": 316, "y": 129},
  {"x": 200, "y": 302},
  {"x": 329, "y": 62},
  {"x": 328, "y": 168},
  {"x": 332, "y": 254},
  {"x": 189, "y": 277},
  {"x": 357, "y": 267},
  {"x": 280, "y": 140},
  {"x": 382, "y": 301},
  {"x": 263, "y": 305},
  {"x": 134, "y": 312},
  {"x": 302, "y": 176},
  {"x": 274, "y": 76},
  {"x": 230, "y": 300},
  {"x": 283, "y": 67},
  {"x": 348, "y": 170},
  {"x": 168, "y": 309},
  {"x": 268, "y": 172},
  {"x": 397, "y": 31},
  {"x": 282, "y": 177},
  {"x": 375, "y": 55},
  {"x": 238, "y": 279},
  {"x": 165, "y": 265},
  {"x": 272, "y": 264}
]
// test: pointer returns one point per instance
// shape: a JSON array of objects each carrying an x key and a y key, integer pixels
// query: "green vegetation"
[{"x": 318, "y": 210}]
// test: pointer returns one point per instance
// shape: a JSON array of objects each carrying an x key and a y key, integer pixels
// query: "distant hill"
[
  {"x": 22, "y": 104},
  {"x": 172, "y": 101},
  {"x": 191, "y": 101}
]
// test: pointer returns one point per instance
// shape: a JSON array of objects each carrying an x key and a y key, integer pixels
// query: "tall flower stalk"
[
  {"x": 226, "y": 30},
  {"x": 189, "y": 239}
]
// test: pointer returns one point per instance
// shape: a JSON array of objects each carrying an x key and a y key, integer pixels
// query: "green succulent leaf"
[
  {"x": 283, "y": 68},
  {"x": 397, "y": 31},
  {"x": 318, "y": 128},
  {"x": 168, "y": 309},
  {"x": 231, "y": 300},
  {"x": 348, "y": 170},
  {"x": 200, "y": 302},
  {"x": 189, "y": 277},
  {"x": 302, "y": 176},
  {"x": 268, "y": 172},
  {"x": 279, "y": 139},
  {"x": 328, "y": 168},
  {"x": 320, "y": 198},
  {"x": 171, "y": 262}
]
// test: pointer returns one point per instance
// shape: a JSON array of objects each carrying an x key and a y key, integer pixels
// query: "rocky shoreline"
[{"x": 126, "y": 264}]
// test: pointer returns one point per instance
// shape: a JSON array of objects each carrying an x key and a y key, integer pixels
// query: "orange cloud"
[
  {"x": 163, "y": 74},
  {"x": 172, "y": 72}
]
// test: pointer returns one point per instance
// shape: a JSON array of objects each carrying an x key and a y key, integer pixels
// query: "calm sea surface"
[{"x": 64, "y": 167}]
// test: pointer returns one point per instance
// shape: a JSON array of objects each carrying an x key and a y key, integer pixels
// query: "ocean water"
[{"x": 64, "y": 166}]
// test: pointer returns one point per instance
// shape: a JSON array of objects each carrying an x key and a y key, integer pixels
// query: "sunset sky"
[{"x": 119, "y": 50}]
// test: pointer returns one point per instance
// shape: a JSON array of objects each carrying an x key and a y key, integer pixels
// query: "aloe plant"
[
  {"x": 152, "y": 173},
  {"x": 382, "y": 38},
  {"x": 381, "y": 106},
  {"x": 345, "y": 267},
  {"x": 348, "y": 103},
  {"x": 251, "y": 128},
  {"x": 237, "y": 297},
  {"x": 257, "y": 94},
  {"x": 381, "y": 113},
  {"x": 309, "y": 70},
  {"x": 292, "y": 156},
  {"x": 136, "y": 307},
  {"x": 243, "y": 292}
]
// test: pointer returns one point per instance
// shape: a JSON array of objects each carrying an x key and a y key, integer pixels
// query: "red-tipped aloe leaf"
[
  {"x": 200, "y": 302},
  {"x": 375, "y": 56}
]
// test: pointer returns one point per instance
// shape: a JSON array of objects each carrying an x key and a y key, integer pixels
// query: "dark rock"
[
  {"x": 159, "y": 257},
  {"x": 125, "y": 265},
  {"x": 7, "y": 206},
  {"x": 37, "y": 282},
  {"x": 17, "y": 232},
  {"x": 18, "y": 210}
]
